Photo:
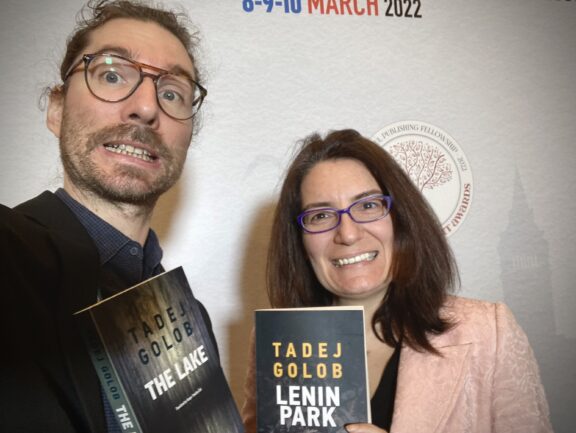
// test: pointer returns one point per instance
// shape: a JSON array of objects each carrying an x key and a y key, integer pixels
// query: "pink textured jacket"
[{"x": 486, "y": 380}]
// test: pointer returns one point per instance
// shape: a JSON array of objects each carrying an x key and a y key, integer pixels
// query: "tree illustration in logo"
[{"x": 426, "y": 165}]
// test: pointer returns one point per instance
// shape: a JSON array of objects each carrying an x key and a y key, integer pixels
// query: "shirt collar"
[{"x": 109, "y": 240}]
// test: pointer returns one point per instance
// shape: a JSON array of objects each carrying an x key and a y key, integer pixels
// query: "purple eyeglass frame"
[{"x": 339, "y": 212}]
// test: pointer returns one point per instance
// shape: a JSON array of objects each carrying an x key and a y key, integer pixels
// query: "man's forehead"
[
  {"x": 143, "y": 41},
  {"x": 127, "y": 53}
]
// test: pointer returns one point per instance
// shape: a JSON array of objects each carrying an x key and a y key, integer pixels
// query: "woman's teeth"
[{"x": 365, "y": 257}]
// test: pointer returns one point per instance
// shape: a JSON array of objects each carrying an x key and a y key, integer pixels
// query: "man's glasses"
[
  {"x": 113, "y": 78},
  {"x": 365, "y": 210}
]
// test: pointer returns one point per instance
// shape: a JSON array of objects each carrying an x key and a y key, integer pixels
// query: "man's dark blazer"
[{"x": 49, "y": 270}]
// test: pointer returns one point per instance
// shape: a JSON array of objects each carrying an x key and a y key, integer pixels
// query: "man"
[{"x": 124, "y": 116}]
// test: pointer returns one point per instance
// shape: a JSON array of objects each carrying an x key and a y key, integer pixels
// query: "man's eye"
[
  {"x": 174, "y": 91},
  {"x": 112, "y": 77},
  {"x": 108, "y": 76},
  {"x": 170, "y": 96}
]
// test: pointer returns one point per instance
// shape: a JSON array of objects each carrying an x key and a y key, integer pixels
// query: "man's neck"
[{"x": 130, "y": 219}]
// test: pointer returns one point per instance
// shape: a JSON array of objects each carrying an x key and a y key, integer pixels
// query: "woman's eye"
[
  {"x": 320, "y": 217},
  {"x": 371, "y": 205}
]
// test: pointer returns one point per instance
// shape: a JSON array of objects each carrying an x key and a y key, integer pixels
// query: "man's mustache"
[{"x": 126, "y": 132}]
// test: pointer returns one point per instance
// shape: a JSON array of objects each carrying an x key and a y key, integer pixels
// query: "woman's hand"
[{"x": 363, "y": 428}]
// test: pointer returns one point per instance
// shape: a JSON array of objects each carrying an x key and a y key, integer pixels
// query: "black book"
[
  {"x": 156, "y": 362},
  {"x": 311, "y": 369}
]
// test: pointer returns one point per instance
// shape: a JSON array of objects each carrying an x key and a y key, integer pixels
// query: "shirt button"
[{"x": 134, "y": 251}]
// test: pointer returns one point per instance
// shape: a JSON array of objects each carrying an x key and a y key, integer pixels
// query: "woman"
[{"x": 351, "y": 229}]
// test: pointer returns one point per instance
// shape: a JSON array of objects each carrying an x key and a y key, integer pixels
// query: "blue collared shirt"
[{"x": 125, "y": 262}]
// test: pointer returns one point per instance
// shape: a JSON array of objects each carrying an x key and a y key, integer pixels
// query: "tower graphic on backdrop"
[
  {"x": 527, "y": 284},
  {"x": 526, "y": 275}
]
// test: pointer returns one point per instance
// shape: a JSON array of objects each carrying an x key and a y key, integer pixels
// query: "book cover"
[
  {"x": 311, "y": 371},
  {"x": 156, "y": 362}
]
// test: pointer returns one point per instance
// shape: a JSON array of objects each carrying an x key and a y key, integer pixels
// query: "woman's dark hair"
[{"x": 423, "y": 269}]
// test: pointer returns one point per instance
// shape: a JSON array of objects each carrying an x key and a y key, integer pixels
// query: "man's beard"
[{"x": 127, "y": 184}]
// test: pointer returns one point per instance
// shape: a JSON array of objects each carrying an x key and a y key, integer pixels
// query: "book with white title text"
[
  {"x": 157, "y": 364},
  {"x": 311, "y": 371}
]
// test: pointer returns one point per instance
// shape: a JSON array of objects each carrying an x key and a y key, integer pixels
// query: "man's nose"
[{"x": 142, "y": 106}]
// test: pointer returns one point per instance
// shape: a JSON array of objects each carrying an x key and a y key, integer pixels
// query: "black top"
[
  {"x": 382, "y": 403},
  {"x": 124, "y": 262},
  {"x": 50, "y": 269}
]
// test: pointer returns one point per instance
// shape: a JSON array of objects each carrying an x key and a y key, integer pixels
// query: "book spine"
[{"x": 110, "y": 382}]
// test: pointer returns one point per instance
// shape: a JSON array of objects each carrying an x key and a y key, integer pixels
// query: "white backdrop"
[{"x": 496, "y": 75}]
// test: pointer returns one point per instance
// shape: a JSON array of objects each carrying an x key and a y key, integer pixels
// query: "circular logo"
[{"x": 436, "y": 165}]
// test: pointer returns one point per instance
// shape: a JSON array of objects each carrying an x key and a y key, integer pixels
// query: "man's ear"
[{"x": 55, "y": 108}]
